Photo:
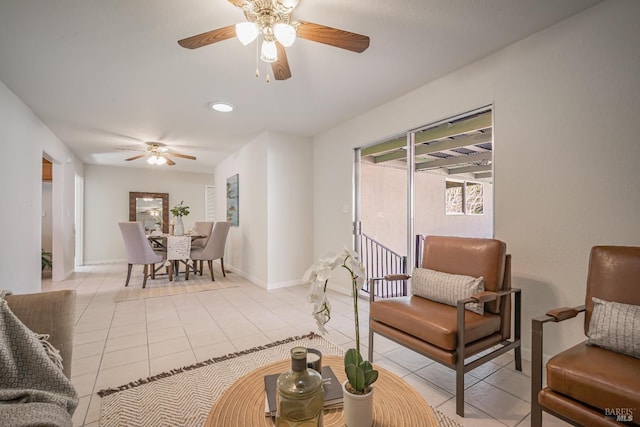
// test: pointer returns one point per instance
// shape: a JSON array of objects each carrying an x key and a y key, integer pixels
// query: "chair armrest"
[
  {"x": 389, "y": 278},
  {"x": 563, "y": 313},
  {"x": 394, "y": 277},
  {"x": 488, "y": 296},
  {"x": 51, "y": 313},
  {"x": 482, "y": 297}
]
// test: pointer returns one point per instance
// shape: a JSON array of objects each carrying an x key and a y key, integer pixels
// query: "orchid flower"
[{"x": 318, "y": 275}]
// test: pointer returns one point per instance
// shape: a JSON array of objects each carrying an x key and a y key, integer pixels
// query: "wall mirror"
[{"x": 150, "y": 209}]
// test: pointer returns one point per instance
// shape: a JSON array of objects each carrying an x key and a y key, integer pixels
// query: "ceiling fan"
[
  {"x": 272, "y": 19},
  {"x": 158, "y": 154}
]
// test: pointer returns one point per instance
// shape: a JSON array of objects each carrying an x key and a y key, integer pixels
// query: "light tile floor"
[{"x": 116, "y": 343}]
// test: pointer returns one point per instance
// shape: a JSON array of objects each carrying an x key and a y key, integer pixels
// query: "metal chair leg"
[{"x": 460, "y": 388}]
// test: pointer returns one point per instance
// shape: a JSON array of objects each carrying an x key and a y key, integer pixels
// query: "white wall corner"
[{"x": 256, "y": 281}]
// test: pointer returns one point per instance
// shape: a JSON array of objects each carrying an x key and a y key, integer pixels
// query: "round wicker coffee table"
[{"x": 396, "y": 403}]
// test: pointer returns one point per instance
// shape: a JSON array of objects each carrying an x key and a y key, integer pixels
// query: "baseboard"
[
  {"x": 288, "y": 284},
  {"x": 104, "y": 261},
  {"x": 244, "y": 275},
  {"x": 262, "y": 283}
]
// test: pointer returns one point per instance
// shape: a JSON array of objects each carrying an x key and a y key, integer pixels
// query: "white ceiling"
[{"x": 106, "y": 74}]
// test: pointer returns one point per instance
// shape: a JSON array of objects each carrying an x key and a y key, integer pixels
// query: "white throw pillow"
[
  {"x": 615, "y": 326},
  {"x": 447, "y": 288}
]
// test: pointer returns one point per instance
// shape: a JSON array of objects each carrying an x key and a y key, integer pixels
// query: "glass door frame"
[{"x": 410, "y": 159}]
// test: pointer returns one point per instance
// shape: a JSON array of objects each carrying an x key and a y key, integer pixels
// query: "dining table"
[{"x": 178, "y": 250}]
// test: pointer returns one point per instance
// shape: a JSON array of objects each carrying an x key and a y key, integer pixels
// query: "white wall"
[
  {"x": 383, "y": 203},
  {"x": 566, "y": 152},
  {"x": 24, "y": 138},
  {"x": 430, "y": 216},
  {"x": 289, "y": 208},
  {"x": 246, "y": 248},
  {"x": 106, "y": 202},
  {"x": 272, "y": 244}
]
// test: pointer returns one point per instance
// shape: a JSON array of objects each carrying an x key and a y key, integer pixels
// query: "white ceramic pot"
[{"x": 358, "y": 408}]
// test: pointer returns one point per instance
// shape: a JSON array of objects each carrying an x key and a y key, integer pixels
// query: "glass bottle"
[{"x": 300, "y": 396}]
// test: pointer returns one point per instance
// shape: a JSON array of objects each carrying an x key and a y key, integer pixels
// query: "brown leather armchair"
[
  {"x": 589, "y": 385},
  {"x": 443, "y": 332}
]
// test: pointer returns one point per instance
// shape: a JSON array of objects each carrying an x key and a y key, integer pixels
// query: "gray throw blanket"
[{"x": 33, "y": 389}]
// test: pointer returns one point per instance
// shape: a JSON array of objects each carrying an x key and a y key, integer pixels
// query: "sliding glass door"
[{"x": 437, "y": 179}]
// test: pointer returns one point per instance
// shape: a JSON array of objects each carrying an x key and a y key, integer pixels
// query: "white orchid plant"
[{"x": 360, "y": 373}]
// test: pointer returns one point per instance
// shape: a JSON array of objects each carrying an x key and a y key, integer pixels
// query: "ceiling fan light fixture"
[
  {"x": 247, "y": 32},
  {"x": 156, "y": 160},
  {"x": 285, "y": 34},
  {"x": 269, "y": 51}
]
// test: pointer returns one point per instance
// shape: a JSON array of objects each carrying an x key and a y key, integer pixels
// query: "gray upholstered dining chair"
[
  {"x": 214, "y": 249},
  {"x": 139, "y": 250},
  {"x": 202, "y": 228}
]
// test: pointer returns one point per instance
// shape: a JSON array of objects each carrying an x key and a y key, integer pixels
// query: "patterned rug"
[
  {"x": 161, "y": 286},
  {"x": 184, "y": 396}
]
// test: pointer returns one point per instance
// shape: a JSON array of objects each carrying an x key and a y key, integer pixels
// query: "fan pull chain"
[{"x": 268, "y": 79}]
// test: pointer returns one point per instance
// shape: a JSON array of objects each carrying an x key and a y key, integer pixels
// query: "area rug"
[
  {"x": 184, "y": 396},
  {"x": 162, "y": 287}
]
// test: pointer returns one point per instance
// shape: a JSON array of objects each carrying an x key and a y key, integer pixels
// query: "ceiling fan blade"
[
  {"x": 208, "y": 38},
  {"x": 130, "y": 149},
  {"x": 333, "y": 36},
  {"x": 184, "y": 156},
  {"x": 170, "y": 162},
  {"x": 280, "y": 68},
  {"x": 136, "y": 157}
]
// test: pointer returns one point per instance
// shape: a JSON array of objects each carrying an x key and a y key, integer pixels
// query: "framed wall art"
[{"x": 233, "y": 200}]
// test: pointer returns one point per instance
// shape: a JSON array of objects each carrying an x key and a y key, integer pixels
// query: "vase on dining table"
[{"x": 179, "y": 227}]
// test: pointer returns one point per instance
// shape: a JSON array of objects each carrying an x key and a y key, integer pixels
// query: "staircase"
[{"x": 379, "y": 261}]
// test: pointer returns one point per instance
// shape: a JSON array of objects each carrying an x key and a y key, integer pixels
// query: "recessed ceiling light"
[{"x": 223, "y": 107}]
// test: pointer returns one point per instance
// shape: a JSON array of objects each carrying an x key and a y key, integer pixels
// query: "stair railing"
[{"x": 379, "y": 261}]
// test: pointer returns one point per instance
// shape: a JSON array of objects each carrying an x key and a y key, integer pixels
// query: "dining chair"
[
  {"x": 214, "y": 249},
  {"x": 202, "y": 228},
  {"x": 139, "y": 250}
]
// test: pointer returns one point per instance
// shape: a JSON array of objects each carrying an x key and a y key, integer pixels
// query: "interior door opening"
[{"x": 434, "y": 180}]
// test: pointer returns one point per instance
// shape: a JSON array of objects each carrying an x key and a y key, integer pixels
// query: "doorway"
[
  {"x": 434, "y": 180},
  {"x": 47, "y": 218}
]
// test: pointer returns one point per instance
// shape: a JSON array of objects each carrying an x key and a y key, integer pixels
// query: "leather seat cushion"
[
  {"x": 600, "y": 378},
  {"x": 432, "y": 321}
]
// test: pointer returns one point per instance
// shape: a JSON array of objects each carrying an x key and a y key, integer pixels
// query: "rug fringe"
[{"x": 142, "y": 381}]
